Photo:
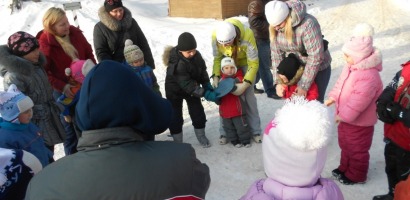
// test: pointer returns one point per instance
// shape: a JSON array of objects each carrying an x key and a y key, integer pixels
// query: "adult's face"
[
  {"x": 33, "y": 55},
  {"x": 62, "y": 27},
  {"x": 117, "y": 13}
]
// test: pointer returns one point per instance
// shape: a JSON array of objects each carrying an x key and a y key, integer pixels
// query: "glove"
[
  {"x": 395, "y": 110},
  {"x": 211, "y": 96},
  {"x": 198, "y": 92},
  {"x": 215, "y": 81},
  {"x": 382, "y": 113},
  {"x": 240, "y": 88}
]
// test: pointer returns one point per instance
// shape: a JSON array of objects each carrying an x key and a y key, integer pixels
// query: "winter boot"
[
  {"x": 177, "y": 137},
  {"x": 200, "y": 135},
  {"x": 384, "y": 197}
]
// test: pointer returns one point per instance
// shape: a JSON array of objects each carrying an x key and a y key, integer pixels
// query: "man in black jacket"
[{"x": 115, "y": 112}]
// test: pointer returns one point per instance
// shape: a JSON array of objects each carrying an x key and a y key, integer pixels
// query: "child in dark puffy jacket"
[
  {"x": 187, "y": 79},
  {"x": 232, "y": 110}
]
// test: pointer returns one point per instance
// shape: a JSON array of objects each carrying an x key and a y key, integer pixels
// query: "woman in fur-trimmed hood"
[
  {"x": 115, "y": 26},
  {"x": 31, "y": 79}
]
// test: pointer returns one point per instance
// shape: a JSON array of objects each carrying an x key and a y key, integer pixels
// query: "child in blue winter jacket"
[
  {"x": 16, "y": 130},
  {"x": 134, "y": 58}
]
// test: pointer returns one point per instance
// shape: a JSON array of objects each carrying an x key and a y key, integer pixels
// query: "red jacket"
[
  {"x": 231, "y": 105},
  {"x": 312, "y": 93},
  {"x": 398, "y": 132},
  {"x": 57, "y": 59}
]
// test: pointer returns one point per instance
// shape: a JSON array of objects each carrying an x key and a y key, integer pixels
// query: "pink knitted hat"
[
  {"x": 360, "y": 45},
  {"x": 79, "y": 69}
]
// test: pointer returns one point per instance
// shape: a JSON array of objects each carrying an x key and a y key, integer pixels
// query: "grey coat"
[
  {"x": 31, "y": 79},
  {"x": 114, "y": 163}
]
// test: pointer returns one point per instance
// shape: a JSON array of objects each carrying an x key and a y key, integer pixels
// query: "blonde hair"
[
  {"x": 288, "y": 30},
  {"x": 50, "y": 18}
]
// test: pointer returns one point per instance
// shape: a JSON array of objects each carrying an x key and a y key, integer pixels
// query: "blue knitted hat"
[{"x": 13, "y": 102}]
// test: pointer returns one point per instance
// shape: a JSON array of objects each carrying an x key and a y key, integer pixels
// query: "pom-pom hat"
[
  {"x": 276, "y": 12},
  {"x": 22, "y": 43},
  {"x": 132, "y": 52},
  {"x": 225, "y": 32},
  {"x": 360, "y": 45},
  {"x": 295, "y": 142},
  {"x": 79, "y": 69},
  {"x": 12, "y": 103}
]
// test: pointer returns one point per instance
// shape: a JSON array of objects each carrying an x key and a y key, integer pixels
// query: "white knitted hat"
[
  {"x": 225, "y": 32},
  {"x": 276, "y": 12},
  {"x": 228, "y": 61},
  {"x": 295, "y": 142}
]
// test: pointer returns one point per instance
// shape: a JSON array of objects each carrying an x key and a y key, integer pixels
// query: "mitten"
[
  {"x": 215, "y": 81},
  {"x": 395, "y": 110},
  {"x": 240, "y": 88},
  {"x": 382, "y": 112},
  {"x": 211, "y": 96},
  {"x": 198, "y": 92}
]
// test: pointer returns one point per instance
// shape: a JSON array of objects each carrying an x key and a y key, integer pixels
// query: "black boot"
[
  {"x": 257, "y": 91},
  {"x": 337, "y": 173},
  {"x": 383, "y": 197}
]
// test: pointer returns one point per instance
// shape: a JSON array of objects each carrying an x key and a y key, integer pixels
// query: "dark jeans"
[
  {"x": 397, "y": 164},
  {"x": 265, "y": 64},
  {"x": 322, "y": 80},
  {"x": 71, "y": 141},
  {"x": 196, "y": 112}
]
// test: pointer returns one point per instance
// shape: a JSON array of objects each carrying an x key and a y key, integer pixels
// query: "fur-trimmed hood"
[
  {"x": 112, "y": 23},
  {"x": 373, "y": 61},
  {"x": 15, "y": 64},
  {"x": 166, "y": 54},
  {"x": 295, "y": 79}
]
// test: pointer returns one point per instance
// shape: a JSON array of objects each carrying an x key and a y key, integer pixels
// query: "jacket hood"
[
  {"x": 113, "y": 24},
  {"x": 12, "y": 63},
  {"x": 297, "y": 11},
  {"x": 114, "y": 96},
  {"x": 373, "y": 61},
  {"x": 166, "y": 55}
]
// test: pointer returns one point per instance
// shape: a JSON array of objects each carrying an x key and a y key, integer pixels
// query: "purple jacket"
[
  {"x": 307, "y": 39},
  {"x": 357, "y": 90},
  {"x": 269, "y": 189}
]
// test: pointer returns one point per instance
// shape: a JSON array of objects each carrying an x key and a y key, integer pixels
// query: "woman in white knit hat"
[
  {"x": 232, "y": 39},
  {"x": 292, "y": 30}
]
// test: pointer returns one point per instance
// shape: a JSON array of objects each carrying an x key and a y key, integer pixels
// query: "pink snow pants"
[{"x": 355, "y": 142}]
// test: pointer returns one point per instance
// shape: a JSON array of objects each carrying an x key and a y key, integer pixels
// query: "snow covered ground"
[{"x": 234, "y": 170}]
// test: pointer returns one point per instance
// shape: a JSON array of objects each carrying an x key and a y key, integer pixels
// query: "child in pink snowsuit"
[
  {"x": 355, "y": 94},
  {"x": 294, "y": 156}
]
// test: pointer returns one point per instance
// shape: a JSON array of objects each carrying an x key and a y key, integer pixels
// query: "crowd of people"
[{"x": 56, "y": 90}]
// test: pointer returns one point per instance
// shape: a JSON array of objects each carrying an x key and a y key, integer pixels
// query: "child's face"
[
  {"x": 349, "y": 59},
  {"x": 283, "y": 77},
  {"x": 33, "y": 56},
  {"x": 25, "y": 117},
  {"x": 138, "y": 63},
  {"x": 188, "y": 54},
  {"x": 228, "y": 70}
]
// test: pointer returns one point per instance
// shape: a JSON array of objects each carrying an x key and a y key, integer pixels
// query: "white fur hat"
[
  {"x": 228, "y": 61},
  {"x": 295, "y": 142},
  {"x": 276, "y": 12},
  {"x": 225, "y": 32}
]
